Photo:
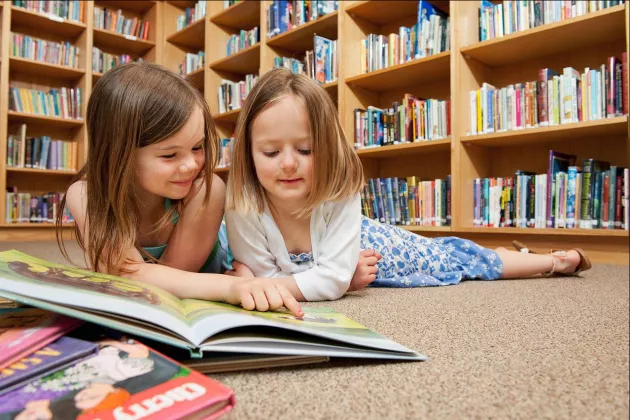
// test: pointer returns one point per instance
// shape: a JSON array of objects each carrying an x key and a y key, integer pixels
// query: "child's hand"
[
  {"x": 262, "y": 295},
  {"x": 240, "y": 270},
  {"x": 366, "y": 269}
]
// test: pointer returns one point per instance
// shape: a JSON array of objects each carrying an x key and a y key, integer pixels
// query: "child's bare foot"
[{"x": 566, "y": 261}]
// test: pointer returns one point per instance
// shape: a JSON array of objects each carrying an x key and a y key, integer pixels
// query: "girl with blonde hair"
[{"x": 293, "y": 209}]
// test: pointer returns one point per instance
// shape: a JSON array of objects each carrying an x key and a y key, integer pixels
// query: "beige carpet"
[{"x": 550, "y": 348}]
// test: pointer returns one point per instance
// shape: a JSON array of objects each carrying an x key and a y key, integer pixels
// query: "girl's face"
[
  {"x": 281, "y": 149},
  {"x": 168, "y": 168}
]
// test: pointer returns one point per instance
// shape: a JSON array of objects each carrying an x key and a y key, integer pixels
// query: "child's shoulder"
[{"x": 77, "y": 191}]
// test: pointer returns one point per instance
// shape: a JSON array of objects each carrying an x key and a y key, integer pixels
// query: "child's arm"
[{"x": 250, "y": 293}]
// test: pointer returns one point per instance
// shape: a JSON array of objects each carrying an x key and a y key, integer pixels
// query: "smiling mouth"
[{"x": 290, "y": 181}]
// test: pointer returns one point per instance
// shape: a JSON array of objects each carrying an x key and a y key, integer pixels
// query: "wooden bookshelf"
[
  {"x": 46, "y": 23},
  {"x": 579, "y": 42},
  {"x": 229, "y": 117},
  {"x": 40, "y": 171},
  {"x": 604, "y": 128},
  {"x": 542, "y": 41},
  {"x": 23, "y": 72},
  {"x": 405, "y": 149},
  {"x": 241, "y": 15},
  {"x": 191, "y": 36},
  {"x": 421, "y": 70},
  {"x": 26, "y": 65},
  {"x": 300, "y": 38},
  {"x": 246, "y": 61},
  {"x": 128, "y": 43}
]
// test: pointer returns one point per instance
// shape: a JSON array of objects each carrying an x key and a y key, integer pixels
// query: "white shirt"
[{"x": 256, "y": 241}]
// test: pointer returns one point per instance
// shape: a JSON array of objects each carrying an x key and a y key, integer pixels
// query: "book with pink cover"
[{"x": 23, "y": 331}]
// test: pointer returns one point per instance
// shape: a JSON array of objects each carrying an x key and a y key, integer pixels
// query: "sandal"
[{"x": 583, "y": 265}]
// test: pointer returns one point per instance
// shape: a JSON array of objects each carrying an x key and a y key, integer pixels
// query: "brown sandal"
[{"x": 583, "y": 265}]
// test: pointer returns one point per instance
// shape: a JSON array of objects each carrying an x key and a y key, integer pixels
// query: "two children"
[{"x": 294, "y": 220}]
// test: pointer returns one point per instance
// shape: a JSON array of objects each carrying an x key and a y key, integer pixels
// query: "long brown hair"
[
  {"x": 337, "y": 170},
  {"x": 132, "y": 106}
]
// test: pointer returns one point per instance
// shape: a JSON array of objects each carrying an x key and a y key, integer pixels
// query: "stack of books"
[{"x": 98, "y": 346}]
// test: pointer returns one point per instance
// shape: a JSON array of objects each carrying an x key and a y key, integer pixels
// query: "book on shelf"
[
  {"x": 321, "y": 62},
  {"x": 429, "y": 36},
  {"x": 103, "y": 61},
  {"x": 114, "y": 20},
  {"x": 40, "y": 152},
  {"x": 231, "y": 94},
  {"x": 498, "y": 20},
  {"x": 26, "y": 207},
  {"x": 244, "y": 39},
  {"x": 590, "y": 196},
  {"x": 57, "y": 102},
  {"x": 554, "y": 99},
  {"x": 121, "y": 379},
  {"x": 198, "y": 326},
  {"x": 72, "y": 10},
  {"x": 192, "y": 62},
  {"x": 411, "y": 120},
  {"x": 41, "y": 50},
  {"x": 408, "y": 201},
  {"x": 284, "y": 15},
  {"x": 26, "y": 330},
  {"x": 191, "y": 15}
]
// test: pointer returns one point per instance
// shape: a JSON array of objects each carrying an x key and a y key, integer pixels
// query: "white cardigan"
[{"x": 256, "y": 241}]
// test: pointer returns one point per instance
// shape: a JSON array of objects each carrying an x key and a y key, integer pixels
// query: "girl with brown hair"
[
  {"x": 146, "y": 204},
  {"x": 294, "y": 208}
]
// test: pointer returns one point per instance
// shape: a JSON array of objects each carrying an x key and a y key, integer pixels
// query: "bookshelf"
[
  {"x": 578, "y": 42},
  {"x": 36, "y": 74}
]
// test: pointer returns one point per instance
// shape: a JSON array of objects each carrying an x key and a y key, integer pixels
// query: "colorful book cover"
[
  {"x": 145, "y": 310},
  {"x": 124, "y": 379},
  {"x": 22, "y": 331},
  {"x": 558, "y": 162},
  {"x": 56, "y": 355}
]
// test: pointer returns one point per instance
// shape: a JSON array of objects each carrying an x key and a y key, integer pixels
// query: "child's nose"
[{"x": 288, "y": 163}]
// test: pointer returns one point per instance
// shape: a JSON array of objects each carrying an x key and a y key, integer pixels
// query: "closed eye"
[
  {"x": 168, "y": 156},
  {"x": 270, "y": 154},
  {"x": 305, "y": 152}
]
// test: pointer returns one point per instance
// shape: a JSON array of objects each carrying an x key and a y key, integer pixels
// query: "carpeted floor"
[{"x": 539, "y": 348}]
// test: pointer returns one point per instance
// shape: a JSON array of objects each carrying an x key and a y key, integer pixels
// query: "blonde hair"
[
  {"x": 132, "y": 106},
  {"x": 337, "y": 170}
]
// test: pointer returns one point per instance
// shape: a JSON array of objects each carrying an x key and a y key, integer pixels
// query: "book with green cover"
[{"x": 199, "y": 326}]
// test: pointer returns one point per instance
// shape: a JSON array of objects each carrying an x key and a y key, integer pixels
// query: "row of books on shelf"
[
  {"x": 412, "y": 120},
  {"x": 63, "y": 102},
  {"x": 408, "y": 201},
  {"x": 497, "y": 20},
  {"x": 233, "y": 94},
  {"x": 594, "y": 196},
  {"x": 284, "y": 15},
  {"x": 59, "y": 53},
  {"x": 225, "y": 152},
  {"x": 320, "y": 64},
  {"x": 553, "y": 99},
  {"x": 102, "y": 61},
  {"x": 431, "y": 35},
  {"x": 40, "y": 152},
  {"x": 191, "y": 15},
  {"x": 115, "y": 21},
  {"x": 24, "y": 207},
  {"x": 192, "y": 62},
  {"x": 243, "y": 40},
  {"x": 61, "y": 9}
]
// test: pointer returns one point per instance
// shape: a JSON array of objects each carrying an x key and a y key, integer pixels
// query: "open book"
[{"x": 199, "y": 326}]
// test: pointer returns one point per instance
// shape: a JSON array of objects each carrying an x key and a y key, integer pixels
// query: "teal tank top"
[{"x": 220, "y": 259}]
